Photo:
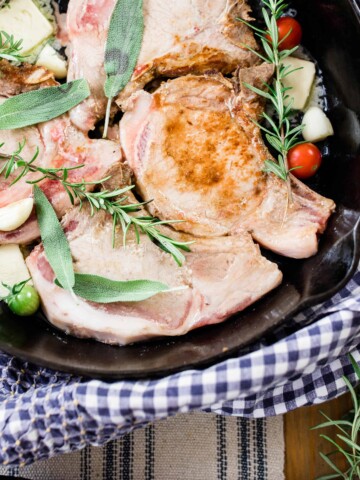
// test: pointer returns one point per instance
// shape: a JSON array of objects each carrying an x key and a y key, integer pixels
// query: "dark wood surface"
[{"x": 303, "y": 445}]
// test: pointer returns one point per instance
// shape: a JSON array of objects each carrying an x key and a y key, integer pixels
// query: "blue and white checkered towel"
[{"x": 43, "y": 413}]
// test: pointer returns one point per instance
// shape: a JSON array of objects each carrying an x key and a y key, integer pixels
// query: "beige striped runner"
[{"x": 196, "y": 446}]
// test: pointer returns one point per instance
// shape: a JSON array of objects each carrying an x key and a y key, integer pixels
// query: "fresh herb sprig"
[
  {"x": 122, "y": 50},
  {"x": 347, "y": 442},
  {"x": 54, "y": 240},
  {"x": 31, "y": 108},
  {"x": 103, "y": 290},
  {"x": 10, "y": 48},
  {"x": 90, "y": 287},
  {"x": 15, "y": 161},
  {"x": 279, "y": 132},
  {"x": 114, "y": 202}
]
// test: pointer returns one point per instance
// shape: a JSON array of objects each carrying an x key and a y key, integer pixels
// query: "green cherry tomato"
[{"x": 24, "y": 303}]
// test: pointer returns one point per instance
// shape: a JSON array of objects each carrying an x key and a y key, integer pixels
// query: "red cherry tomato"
[
  {"x": 290, "y": 33},
  {"x": 306, "y": 159}
]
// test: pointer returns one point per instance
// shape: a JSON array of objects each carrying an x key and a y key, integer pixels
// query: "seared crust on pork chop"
[
  {"x": 24, "y": 78},
  {"x": 193, "y": 36},
  {"x": 197, "y": 154}
]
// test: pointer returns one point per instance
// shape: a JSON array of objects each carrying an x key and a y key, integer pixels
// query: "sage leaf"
[
  {"x": 123, "y": 47},
  {"x": 42, "y": 105},
  {"x": 55, "y": 243},
  {"x": 102, "y": 290},
  {"x": 123, "y": 44}
]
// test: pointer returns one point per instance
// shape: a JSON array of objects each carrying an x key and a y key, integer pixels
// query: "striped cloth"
[
  {"x": 44, "y": 413},
  {"x": 194, "y": 446}
]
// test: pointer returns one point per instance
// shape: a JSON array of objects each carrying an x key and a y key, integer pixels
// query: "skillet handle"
[{"x": 336, "y": 265}]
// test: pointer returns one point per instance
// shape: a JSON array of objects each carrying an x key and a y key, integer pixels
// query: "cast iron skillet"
[{"x": 332, "y": 34}]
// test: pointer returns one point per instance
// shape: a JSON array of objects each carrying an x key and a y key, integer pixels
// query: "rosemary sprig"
[
  {"x": 347, "y": 442},
  {"x": 113, "y": 202},
  {"x": 279, "y": 132},
  {"x": 15, "y": 162},
  {"x": 10, "y": 48}
]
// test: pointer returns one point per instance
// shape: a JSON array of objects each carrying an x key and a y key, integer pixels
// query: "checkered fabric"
[{"x": 43, "y": 413}]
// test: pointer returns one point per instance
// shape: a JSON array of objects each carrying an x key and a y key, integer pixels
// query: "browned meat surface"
[
  {"x": 221, "y": 277},
  {"x": 186, "y": 36},
  {"x": 195, "y": 151},
  {"x": 192, "y": 36},
  {"x": 26, "y": 77}
]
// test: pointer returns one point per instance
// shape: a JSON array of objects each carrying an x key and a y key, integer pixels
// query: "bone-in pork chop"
[
  {"x": 196, "y": 152},
  {"x": 192, "y": 36},
  {"x": 60, "y": 145},
  {"x": 185, "y": 36},
  {"x": 222, "y": 276}
]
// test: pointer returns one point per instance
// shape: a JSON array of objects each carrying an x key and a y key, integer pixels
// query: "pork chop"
[
  {"x": 188, "y": 36},
  {"x": 60, "y": 145},
  {"x": 192, "y": 36},
  {"x": 222, "y": 276},
  {"x": 196, "y": 152}
]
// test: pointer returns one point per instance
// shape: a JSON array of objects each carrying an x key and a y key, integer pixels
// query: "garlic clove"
[
  {"x": 317, "y": 126},
  {"x": 15, "y": 214}
]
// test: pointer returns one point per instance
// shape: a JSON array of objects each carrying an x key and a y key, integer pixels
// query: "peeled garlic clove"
[
  {"x": 317, "y": 126},
  {"x": 15, "y": 214}
]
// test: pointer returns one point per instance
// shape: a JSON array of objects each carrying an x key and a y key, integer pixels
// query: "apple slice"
[
  {"x": 50, "y": 59},
  {"x": 12, "y": 267},
  {"x": 23, "y": 20},
  {"x": 300, "y": 81}
]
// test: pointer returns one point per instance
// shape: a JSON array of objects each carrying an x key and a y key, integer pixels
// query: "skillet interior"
[{"x": 331, "y": 33}]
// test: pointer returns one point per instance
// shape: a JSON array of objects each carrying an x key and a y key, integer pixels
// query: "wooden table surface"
[{"x": 303, "y": 445}]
